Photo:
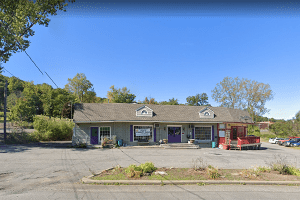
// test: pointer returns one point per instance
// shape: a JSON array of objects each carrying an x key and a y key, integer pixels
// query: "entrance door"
[
  {"x": 234, "y": 134},
  {"x": 94, "y": 135},
  {"x": 174, "y": 134}
]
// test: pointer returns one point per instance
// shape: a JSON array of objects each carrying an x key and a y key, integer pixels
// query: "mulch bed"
[{"x": 191, "y": 174}]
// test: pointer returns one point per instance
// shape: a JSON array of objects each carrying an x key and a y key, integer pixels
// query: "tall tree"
[
  {"x": 17, "y": 17},
  {"x": 172, "y": 101},
  {"x": 79, "y": 86},
  {"x": 149, "y": 101},
  {"x": 243, "y": 94},
  {"x": 120, "y": 95},
  {"x": 229, "y": 92},
  {"x": 297, "y": 116},
  {"x": 255, "y": 97},
  {"x": 198, "y": 100}
]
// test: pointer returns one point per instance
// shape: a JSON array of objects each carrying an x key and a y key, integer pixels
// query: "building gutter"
[{"x": 111, "y": 121}]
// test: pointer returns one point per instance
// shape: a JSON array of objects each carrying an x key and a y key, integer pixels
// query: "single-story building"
[{"x": 147, "y": 122}]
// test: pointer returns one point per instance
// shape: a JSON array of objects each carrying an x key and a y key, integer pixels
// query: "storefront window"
[
  {"x": 203, "y": 133},
  {"x": 105, "y": 132},
  {"x": 142, "y": 133}
]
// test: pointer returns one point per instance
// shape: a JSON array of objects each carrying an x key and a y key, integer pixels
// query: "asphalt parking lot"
[{"x": 26, "y": 167}]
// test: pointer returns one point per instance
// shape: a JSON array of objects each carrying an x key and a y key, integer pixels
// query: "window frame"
[
  {"x": 99, "y": 134},
  {"x": 152, "y": 133},
  {"x": 144, "y": 112},
  {"x": 199, "y": 126}
]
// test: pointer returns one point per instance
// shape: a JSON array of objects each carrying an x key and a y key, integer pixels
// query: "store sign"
[
  {"x": 143, "y": 132},
  {"x": 236, "y": 124}
]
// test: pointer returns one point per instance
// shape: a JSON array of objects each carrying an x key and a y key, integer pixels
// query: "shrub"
[
  {"x": 20, "y": 137},
  {"x": 199, "y": 164},
  {"x": 281, "y": 165},
  {"x": 133, "y": 171},
  {"x": 147, "y": 167},
  {"x": 52, "y": 128},
  {"x": 136, "y": 171},
  {"x": 213, "y": 172}
]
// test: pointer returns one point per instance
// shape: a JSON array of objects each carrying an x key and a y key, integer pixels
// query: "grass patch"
[
  {"x": 255, "y": 173},
  {"x": 20, "y": 138}
]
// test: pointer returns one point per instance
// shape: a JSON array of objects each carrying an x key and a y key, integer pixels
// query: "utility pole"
[{"x": 5, "y": 97}]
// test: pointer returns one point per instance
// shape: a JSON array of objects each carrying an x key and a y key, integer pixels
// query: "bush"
[
  {"x": 136, "y": 171},
  {"x": 147, "y": 167},
  {"x": 213, "y": 172},
  {"x": 281, "y": 165},
  {"x": 52, "y": 129},
  {"x": 253, "y": 130},
  {"x": 133, "y": 171},
  {"x": 20, "y": 138}
]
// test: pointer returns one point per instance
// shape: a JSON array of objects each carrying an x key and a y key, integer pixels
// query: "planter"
[
  {"x": 165, "y": 141},
  {"x": 192, "y": 141}
]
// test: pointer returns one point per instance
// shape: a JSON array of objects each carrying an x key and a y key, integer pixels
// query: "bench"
[{"x": 143, "y": 142}]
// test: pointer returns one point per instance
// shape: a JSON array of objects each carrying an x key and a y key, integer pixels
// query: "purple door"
[
  {"x": 174, "y": 134},
  {"x": 94, "y": 135}
]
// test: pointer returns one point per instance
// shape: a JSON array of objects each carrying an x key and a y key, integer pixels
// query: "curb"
[{"x": 87, "y": 180}]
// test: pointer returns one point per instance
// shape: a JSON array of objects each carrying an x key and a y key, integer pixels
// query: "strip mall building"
[{"x": 151, "y": 123}]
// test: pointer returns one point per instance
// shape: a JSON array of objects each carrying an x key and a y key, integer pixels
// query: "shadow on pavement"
[{"x": 16, "y": 148}]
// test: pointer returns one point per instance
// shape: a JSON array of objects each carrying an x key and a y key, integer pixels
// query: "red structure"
[{"x": 234, "y": 136}]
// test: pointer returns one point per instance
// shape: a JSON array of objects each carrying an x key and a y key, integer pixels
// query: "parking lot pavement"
[{"x": 27, "y": 167}]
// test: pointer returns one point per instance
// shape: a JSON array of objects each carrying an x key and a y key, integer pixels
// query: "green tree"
[
  {"x": 12, "y": 99},
  {"x": 2, "y": 85},
  {"x": 79, "y": 86},
  {"x": 243, "y": 94},
  {"x": 120, "y": 95},
  {"x": 172, "y": 101},
  {"x": 32, "y": 94},
  {"x": 297, "y": 116},
  {"x": 17, "y": 17},
  {"x": 15, "y": 85},
  {"x": 89, "y": 97},
  {"x": 198, "y": 100},
  {"x": 24, "y": 110},
  {"x": 149, "y": 101},
  {"x": 255, "y": 97}
]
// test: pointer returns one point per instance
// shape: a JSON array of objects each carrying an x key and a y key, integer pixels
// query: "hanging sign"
[{"x": 143, "y": 132}]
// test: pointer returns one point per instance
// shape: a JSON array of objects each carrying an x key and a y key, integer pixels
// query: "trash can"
[
  {"x": 120, "y": 142},
  {"x": 213, "y": 144}
]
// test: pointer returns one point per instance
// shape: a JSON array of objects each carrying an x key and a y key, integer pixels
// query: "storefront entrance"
[
  {"x": 94, "y": 135},
  {"x": 174, "y": 134}
]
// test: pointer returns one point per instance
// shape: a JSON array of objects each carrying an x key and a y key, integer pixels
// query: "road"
[{"x": 50, "y": 172}]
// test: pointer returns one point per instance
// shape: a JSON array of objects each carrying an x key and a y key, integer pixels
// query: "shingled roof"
[{"x": 123, "y": 112}]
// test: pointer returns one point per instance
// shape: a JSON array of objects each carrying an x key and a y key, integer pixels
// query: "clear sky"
[{"x": 165, "y": 50}]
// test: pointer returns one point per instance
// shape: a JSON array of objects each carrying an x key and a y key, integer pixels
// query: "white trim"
[
  {"x": 99, "y": 136},
  {"x": 175, "y": 126},
  {"x": 144, "y": 106},
  {"x": 152, "y": 139},
  {"x": 211, "y": 129}
]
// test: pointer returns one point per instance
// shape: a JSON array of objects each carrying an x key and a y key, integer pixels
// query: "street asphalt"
[{"x": 51, "y": 170}]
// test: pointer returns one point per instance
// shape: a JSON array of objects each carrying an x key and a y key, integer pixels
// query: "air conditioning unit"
[{"x": 156, "y": 125}]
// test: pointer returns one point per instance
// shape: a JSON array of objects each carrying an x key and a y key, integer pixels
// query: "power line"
[
  {"x": 8, "y": 71},
  {"x": 51, "y": 79},
  {"x": 33, "y": 62}
]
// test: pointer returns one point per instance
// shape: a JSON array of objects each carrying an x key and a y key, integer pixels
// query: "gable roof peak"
[{"x": 144, "y": 106}]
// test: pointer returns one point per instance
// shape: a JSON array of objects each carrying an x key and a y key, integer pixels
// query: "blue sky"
[{"x": 170, "y": 50}]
